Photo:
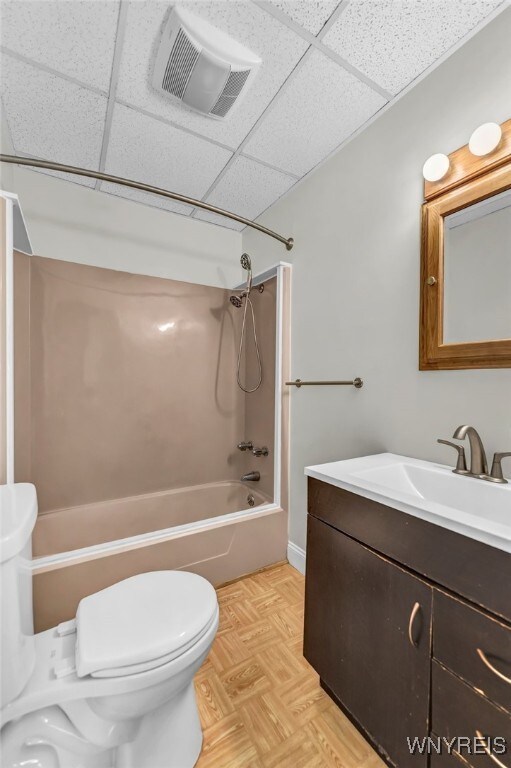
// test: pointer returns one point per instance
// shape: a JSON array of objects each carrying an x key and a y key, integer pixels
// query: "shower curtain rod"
[{"x": 35, "y": 163}]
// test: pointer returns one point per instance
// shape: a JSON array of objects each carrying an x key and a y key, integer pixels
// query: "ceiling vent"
[{"x": 201, "y": 66}]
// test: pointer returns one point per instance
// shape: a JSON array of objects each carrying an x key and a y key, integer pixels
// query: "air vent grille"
[
  {"x": 232, "y": 90},
  {"x": 182, "y": 59}
]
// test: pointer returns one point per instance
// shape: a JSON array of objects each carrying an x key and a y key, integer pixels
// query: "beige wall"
[
  {"x": 132, "y": 384},
  {"x": 356, "y": 224}
]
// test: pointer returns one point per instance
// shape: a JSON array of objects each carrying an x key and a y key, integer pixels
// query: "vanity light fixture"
[
  {"x": 435, "y": 167},
  {"x": 485, "y": 139}
]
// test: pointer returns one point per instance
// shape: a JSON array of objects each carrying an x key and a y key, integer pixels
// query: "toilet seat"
[{"x": 142, "y": 623}]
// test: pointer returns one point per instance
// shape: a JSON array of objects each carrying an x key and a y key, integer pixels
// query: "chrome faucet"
[{"x": 478, "y": 464}]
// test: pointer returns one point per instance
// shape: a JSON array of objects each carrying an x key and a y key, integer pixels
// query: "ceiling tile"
[
  {"x": 83, "y": 181},
  {"x": 146, "y": 198},
  {"x": 393, "y": 42},
  {"x": 247, "y": 188},
  {"x": 51, "y": 118},
  {"x": 63, "y": 35},
  {"x": 153, "y": 152},
  {"x": 279, "y": 48},
  {"x": 322, "y": 105},
  {"x": 310, "y": 14}
]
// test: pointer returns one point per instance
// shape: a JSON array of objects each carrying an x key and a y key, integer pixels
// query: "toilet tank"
[{"x": 18, "y": 513}]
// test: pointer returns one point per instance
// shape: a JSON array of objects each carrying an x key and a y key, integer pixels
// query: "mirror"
[
  {"x": 465, "y": 312},
  {"x": 477, "y": 271}
]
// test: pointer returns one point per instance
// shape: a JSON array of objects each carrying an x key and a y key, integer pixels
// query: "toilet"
[{"x": 113, "y": 687}]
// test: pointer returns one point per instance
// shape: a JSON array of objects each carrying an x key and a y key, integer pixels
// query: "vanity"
[{"x": 408, "y": 605}]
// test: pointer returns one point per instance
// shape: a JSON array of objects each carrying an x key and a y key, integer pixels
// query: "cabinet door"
[{"x": 368, "y": 635}]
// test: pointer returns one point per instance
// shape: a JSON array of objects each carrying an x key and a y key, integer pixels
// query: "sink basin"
[{"x": 472, "y": 507}]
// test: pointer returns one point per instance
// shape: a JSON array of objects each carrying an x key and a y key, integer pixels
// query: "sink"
[{"x": 472, "y": 507}]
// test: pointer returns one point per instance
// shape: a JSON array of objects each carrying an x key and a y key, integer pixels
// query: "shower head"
[
  {"x": 236, "y": 301},
  {"x": 246, "y": 263}
]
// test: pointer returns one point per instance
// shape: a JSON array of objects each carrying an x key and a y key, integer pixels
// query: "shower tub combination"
[{"x": 220, "y": 530}]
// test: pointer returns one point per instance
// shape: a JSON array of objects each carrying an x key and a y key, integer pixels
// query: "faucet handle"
[
  {"x": 496, "y": 475},
  {"x": 260, "y": 451},
  {"x": 461, "y": 464}
]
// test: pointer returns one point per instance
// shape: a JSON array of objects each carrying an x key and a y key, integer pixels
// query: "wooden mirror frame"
[{"x": 469, "y": 180}]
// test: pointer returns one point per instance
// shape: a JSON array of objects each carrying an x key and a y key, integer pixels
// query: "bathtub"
[
  {"x": 66, "y": 530},
  {"x": 219, "y": 530}
]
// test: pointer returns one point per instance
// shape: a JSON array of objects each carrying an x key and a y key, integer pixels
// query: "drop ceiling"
[{"x": 75, "y": 83}]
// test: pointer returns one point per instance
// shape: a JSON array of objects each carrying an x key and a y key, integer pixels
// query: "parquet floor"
[{"x": 260, "y": 702}]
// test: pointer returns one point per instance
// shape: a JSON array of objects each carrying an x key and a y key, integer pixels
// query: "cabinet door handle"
[
  {"x": 488, "y": 751},
  {"x": 415, "y": 610},
  {"x": 490, "y": 666}
]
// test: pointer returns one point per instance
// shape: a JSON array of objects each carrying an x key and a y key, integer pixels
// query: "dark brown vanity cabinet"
[
  {"x": 368, "y": 635},
  {"x": 398, "y": 628}
]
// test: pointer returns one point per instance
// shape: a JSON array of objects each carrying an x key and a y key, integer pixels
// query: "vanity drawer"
[
  {"x": 459, "y": 711},
  {"x": 474, "y": 646}
]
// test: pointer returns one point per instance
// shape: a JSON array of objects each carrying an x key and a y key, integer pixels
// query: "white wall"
[
  {"x": 356, "y": 224},
  {"x": 74, "y": 223}
]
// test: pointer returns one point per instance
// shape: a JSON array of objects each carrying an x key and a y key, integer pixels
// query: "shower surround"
[{"x": 128, "y": 417}]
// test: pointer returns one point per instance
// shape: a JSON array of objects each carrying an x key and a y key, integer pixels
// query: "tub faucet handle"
[
  {"x": 246, "y": 445},
  {"x": 260, "y": 451}
]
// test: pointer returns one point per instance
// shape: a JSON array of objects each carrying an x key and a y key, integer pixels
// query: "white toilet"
[{"x": 113, "y": 688}]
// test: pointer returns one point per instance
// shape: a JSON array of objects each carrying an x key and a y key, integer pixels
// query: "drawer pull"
[
  {"x": 490, "y": 666},
  {"x": 415, "y": 610},
  {"x": 488, "y": 752}
]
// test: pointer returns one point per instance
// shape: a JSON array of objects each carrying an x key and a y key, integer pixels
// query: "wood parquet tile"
[{"x": 260, "y": 703}]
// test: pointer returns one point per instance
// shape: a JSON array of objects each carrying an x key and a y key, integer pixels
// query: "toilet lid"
[{"x": 142, "y": 622}]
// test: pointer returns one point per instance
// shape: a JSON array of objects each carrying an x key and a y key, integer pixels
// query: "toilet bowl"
[{"x": 112, "y": 688}]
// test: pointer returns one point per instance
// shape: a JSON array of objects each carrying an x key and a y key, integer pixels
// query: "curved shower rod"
[{"x": 35, "y": 163}]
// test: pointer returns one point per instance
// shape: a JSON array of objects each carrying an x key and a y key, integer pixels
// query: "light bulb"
[
  {"x": 485, "y": 139},
  {"x": 435, "y": 167}
]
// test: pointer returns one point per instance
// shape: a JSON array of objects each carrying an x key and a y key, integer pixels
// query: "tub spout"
[{"x": 251, "y": 476}]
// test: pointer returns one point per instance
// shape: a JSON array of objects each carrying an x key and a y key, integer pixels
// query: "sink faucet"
[{"x": 478, "y": 465}]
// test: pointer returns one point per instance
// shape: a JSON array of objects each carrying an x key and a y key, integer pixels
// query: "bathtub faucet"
[{"x": 251, "y": 476}]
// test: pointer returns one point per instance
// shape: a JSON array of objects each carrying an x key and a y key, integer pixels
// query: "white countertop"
[{"x": 475, "y": 508}]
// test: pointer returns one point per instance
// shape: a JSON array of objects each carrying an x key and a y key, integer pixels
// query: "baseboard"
[{"x": 296, "y": 557}]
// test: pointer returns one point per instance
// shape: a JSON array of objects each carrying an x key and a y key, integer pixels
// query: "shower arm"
[{"x": 36, "y": 163}]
